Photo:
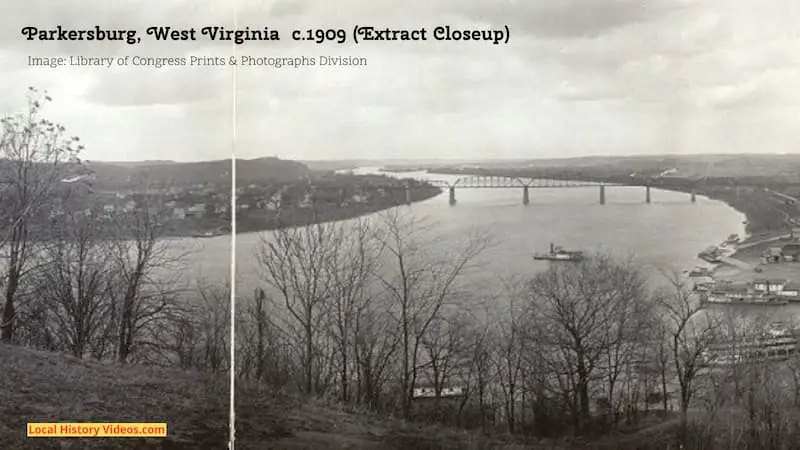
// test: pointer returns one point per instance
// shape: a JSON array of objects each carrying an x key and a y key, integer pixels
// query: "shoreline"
[{"x": 297, "y": 217}]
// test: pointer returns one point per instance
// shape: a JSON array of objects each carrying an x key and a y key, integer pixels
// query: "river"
[{"x": 666, "y": 233}]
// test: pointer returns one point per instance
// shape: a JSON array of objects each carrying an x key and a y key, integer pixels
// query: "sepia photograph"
[{"x": 492, "y": 224}]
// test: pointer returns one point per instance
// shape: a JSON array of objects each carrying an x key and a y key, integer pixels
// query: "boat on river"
[
  {"x": 557, "y": 253},
  {"x": 712, "y": 254}
]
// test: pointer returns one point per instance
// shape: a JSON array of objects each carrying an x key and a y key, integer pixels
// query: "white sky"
[{"x": 579, "y": 77}]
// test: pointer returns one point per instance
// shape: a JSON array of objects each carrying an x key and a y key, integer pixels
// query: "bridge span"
[{"x": 525, "y": 184}]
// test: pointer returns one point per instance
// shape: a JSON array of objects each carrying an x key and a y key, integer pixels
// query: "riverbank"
[{"x": 258, "y": 221}]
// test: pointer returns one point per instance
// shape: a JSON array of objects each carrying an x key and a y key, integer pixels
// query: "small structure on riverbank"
[
  {"x": 791, "y": 252},
  {"x": 773, "y": 255}
]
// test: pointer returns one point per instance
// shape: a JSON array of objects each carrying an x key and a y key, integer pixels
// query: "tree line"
[{"x": 365, "y": 311}]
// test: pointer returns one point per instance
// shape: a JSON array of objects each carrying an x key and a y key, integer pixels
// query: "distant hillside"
[
  {"x": 692, "y": 166},
  {"x": 779, "y": 166},
  {"x": 269, "y": 169},
  {"x": 343, "y": 164},
  {"x": 110, "y": 175}
]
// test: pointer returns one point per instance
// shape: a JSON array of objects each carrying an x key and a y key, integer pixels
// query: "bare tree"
[
  {"x": 419, "y": 285},
  {"x": 480, "y": 371},
  {"x": 149, "y": 272},
  {"x": 33, "y": 157},
  {"x": 294, "y": 263},
  {"x": 77, "y": 279},
  {"x": 445, "y": 346},
  {"x": 753, "y": 377},
  {"x": 509, "y": 344},
  {"x": 376, "y": 338},
  {"x": 212, "y": 316},
  {"x": 579, "y": 314},
  {"x": 350, "y": 269},
  {"x": 691, "y": 334}
]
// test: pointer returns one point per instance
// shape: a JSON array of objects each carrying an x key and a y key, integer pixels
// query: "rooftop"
[
  {"x": 792, "y": 285},
  {"x": 770, "y": 281}
]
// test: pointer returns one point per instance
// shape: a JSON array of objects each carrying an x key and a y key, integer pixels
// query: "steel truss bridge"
[
  {"x": 502, "y": 182},
  {"x": 525, "y": 184},
  {"x": 497, "y": 182}
]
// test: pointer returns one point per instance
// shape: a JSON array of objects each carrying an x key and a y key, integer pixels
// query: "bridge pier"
[
  {"x": 408, "y": 195},
  {"x": 602, "y": 194},
  {"x": 526, "y": 197},
  {"x": 452, "y": 195},
  {"x": 647, "y": 194},
  {"x": 693, "y": 196}
]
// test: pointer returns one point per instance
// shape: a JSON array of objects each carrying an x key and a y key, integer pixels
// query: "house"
[
  {"x": 791, "y": 252},
  {"x": 791, "y": 289},
  {"x": 359, "y": 198},
  {"x": 179, "y": 213},
  {"x": 773, "y": 255},
  {"x": 796, "y": 233},
  {"x": 197, "y": 210},
  {"x": 307, "y": 201},
  {"x": 274, "y": 202},
  {"x": 771, "y": 286}
]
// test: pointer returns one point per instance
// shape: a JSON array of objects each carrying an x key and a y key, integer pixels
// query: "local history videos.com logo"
[{"x": 84, "y": 430}]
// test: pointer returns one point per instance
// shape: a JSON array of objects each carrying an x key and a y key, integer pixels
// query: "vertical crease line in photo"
[{"x": 232, "y": 283}]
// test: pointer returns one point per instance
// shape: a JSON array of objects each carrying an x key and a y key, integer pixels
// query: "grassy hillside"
[{"x": 44, "y": 387}]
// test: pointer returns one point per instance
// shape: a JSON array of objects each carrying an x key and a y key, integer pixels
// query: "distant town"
[{"x": 204, "y": 209}]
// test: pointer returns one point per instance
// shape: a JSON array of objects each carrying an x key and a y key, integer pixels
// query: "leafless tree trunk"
[
  {"x": 77, "y": 279},
  {"x": 573, "y": 307},
  {"x": 691, "y": 335},
  {"x": 420, "y": 285},
  {"x": 213, "y": 318},
  {"x": 508, "y": 341},
  {"x": 376, "y": 339},
  {"x": 34, "y": 157},
  {"x": 149, "y": 269},
  {"x": 444, "y": 346},
  {"x": 350, "y": 270},
  {"x": 483, "y": 347},
  {"x": 294, "y": 263}
]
